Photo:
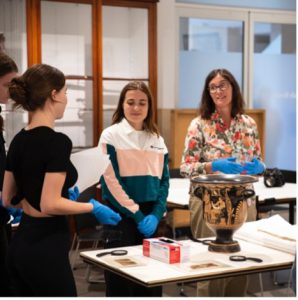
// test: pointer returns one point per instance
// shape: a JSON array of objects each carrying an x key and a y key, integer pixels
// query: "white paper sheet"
[{"x": 90, "y": 164}]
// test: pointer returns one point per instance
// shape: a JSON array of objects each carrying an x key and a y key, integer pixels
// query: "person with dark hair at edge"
[{"x": 8, "y": 70}]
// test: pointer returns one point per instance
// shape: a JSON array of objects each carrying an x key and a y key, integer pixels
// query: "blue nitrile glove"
[
  {"x": 73, "y": 194},
  {"x": 16, "y": 213},
  {"x": 254, "y": 167},
  {"x": 227, "y": 166},
  {"x": 104, "y": 214},
  {"x": 148, "y": 225}
]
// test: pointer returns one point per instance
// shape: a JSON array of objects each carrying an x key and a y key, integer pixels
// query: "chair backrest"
[{"x": 175, "y": 173}]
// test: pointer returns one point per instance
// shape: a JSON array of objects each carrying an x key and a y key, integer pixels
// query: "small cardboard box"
[{"x": 166, "y": 250}]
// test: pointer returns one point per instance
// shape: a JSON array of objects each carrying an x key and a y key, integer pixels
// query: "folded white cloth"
[{"x": 274, "y": 232}]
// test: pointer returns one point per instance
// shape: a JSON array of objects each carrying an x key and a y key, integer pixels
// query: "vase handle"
[
  {"x": 247, "y": 193},
  {"x": 198, "y": 193}
]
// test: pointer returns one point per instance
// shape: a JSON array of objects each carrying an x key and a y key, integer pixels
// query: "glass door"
[
  {"x": 274, "y": 88},
  {"x": 125, "y": 53},
  {"x": 13, "y": 41},
  {"x": 129, "y": 49},
  {"x": 66, "y": 34}
]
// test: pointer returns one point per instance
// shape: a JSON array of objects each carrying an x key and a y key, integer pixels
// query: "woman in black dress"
[{"x": 38, "y": 175}]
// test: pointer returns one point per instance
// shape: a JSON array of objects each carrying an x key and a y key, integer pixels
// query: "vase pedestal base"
[{"x": 224, "y": 247}]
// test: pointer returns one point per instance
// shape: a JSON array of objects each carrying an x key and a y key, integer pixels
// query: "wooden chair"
[
  {"x": 87, "y": 231},
  {"x": 178, "y": 218}
]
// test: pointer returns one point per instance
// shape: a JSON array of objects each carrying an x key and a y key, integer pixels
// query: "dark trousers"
[
  {"x": 38, "y": 258},
  {"x": 5, "y": 287},
  {"x": 122, "y": 235}
]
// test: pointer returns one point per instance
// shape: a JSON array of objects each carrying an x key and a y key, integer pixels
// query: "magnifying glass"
[
  {"x": 114, "y": 252},
  {"x": 204, "y": 242},
  {"x": 244, "y": 258}
]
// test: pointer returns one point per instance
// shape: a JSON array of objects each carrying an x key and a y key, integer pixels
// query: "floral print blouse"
[{"x": 207, "y": 140}]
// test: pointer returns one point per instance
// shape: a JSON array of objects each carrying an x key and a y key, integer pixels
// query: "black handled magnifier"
[
  {"x": 244, "y": 258},
  {"x": 114, "y": 252},
  {"x": 204, "y": 242}
]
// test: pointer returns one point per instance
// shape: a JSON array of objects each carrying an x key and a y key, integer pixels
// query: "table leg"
[{"x": 292, "y": 212}]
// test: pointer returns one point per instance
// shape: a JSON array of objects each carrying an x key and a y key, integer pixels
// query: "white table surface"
[
  {"x": 179, "y": 188},
  {"x": 152, "y": 272}
]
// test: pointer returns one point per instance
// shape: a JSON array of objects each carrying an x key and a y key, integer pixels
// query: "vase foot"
[{"x": 224, "y": 247}]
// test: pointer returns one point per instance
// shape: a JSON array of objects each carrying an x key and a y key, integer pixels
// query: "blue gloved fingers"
[
  {"x": 249, "y": 167},
  {"x": 16, "y": 219},
  {"x": 104, "y": 214},
  {"x": 143, "y": 228},
  {"x": 73, "y": 194},
  {"x": 143, "y": 231},
  {"x": 254, "y": 167},
  {"x": 260, "y": 168},
  {"x": 236, "y": 168},
  {"x": 114, "y": 219},
  {"x": 76, "y": 190},
  {"x": 233, "y": 168},
  {"x": 108, "y": 216},
  {"x": 148, "y": 225},
  {"x": 233, "y": 159},
  {"x": 227, "y": 166},
  {"x": 151, "y": 231}
]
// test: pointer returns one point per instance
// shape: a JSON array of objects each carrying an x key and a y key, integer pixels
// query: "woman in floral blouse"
[{"x": 222, "y": 139}]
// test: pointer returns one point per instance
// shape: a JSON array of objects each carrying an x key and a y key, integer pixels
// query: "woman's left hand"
[
  {"x": 73, "y": 194},
  {"x": 148, "y": 225},
  {"x": 254, "y": 167}
]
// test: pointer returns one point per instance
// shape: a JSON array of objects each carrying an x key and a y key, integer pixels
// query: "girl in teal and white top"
[{"x": 137, "y": 181}]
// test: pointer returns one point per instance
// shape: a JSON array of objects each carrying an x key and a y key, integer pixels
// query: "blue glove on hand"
[
  {"x": 16, "y": 213},
  {"x": 227, "y": 166},
  {"x": 104, "y": 214},
  {"x": 73, "y": 194},
  {"x": 148, "y": 225},
  {"x": 254, "y": 167}
]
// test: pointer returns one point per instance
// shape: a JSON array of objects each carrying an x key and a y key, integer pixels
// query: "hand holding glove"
[
  {"x": 73, "y": 194},
  {"x": 254, "y": 167},
  {"x": 227, "y": 166},
  {"x": 104, "y": 214},
  {"x": 148, "y": 225}
]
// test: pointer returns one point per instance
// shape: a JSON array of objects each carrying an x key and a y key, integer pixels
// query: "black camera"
[{"x": 274, "y": 178}]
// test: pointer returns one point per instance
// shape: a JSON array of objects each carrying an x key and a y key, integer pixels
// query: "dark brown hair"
[
  {"x": 149, "y": 124},
  {"x": 207, "y": 106},
  {"x": 31, "y": 90},
  {"x": 7, "y": 65}
]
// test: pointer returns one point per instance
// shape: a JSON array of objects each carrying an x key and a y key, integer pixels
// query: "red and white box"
[{"x": 166, "y": 250}]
